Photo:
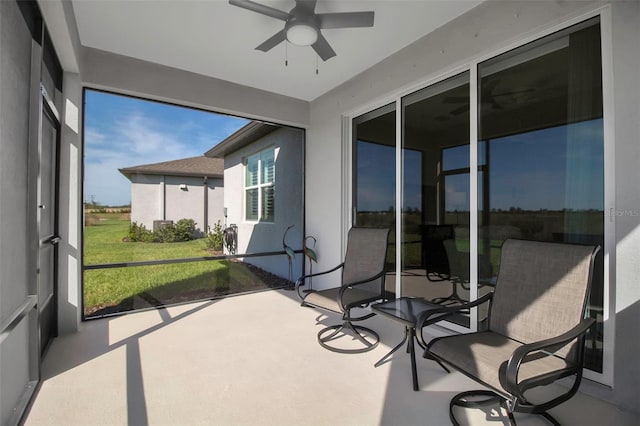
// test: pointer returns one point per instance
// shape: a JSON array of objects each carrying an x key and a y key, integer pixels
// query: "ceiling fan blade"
[
  {"x": 346, "y": 19},
  {"x": 273, "y": 41},
  {"x": 307, "y": 5},
  {"x": 260, "y": 8},
  {"x": 322, "y": 48}
]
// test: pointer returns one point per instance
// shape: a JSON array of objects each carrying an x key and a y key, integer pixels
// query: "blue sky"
[
  {"x": 122, "y": 132},
  {"x": 555, "y": 168}
]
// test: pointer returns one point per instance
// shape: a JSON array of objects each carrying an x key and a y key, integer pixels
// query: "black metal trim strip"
[{"x": 184, "y": 260}]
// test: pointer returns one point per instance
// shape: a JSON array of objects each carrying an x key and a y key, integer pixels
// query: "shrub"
[
  {"x": 215, "y": 238},
  {"x": 183, "y": 230},
  {"x": 138, "y": 233}
]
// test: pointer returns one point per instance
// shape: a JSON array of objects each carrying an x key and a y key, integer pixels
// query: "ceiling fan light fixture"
[{"x": 302, "y": 34}]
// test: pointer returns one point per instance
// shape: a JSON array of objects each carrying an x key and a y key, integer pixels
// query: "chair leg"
[
  {"x": 461, "y": 400},
  {"x": 359, "y": 332},
  {"x": 491, "y": 398},
  {"x": 550, "y": 418},
  {"x": 428, "y": 355}
]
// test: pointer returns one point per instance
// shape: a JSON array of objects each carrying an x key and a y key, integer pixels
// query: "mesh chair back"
[
  {"x": 541, "y": 290},
  {"x": 458, "y": 262},
  {"x": 366, "y": 256}
]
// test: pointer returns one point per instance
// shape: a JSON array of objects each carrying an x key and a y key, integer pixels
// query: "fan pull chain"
[
  {"x": 286, "y": 58},
  {"x": 316, "y": 64}
]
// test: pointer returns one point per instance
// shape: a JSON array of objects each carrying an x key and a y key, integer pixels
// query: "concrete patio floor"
[{"x": 252, "y": 360}]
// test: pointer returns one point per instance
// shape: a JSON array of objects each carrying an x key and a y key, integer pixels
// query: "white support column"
[{"x": 70, "y": 208}]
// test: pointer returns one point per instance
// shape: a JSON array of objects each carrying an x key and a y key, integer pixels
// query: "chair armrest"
[
  {"x": 300, "y": 281},
  {"x": 432, "y": 316},
  {"x": 345, "y": 287},
  {"x": 557, "y": 342}
]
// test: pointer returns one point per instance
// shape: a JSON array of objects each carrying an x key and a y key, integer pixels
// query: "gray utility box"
[{"x": 159, "y": 224}]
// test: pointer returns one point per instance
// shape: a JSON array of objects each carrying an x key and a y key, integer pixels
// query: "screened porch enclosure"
[{"x": 178, "y": 229}]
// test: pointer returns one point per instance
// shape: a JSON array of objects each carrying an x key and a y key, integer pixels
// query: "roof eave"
[{"x": 241, "y": 138}]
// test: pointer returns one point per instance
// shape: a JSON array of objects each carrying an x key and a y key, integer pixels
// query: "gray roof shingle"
[{"x": 193, "y": 166}]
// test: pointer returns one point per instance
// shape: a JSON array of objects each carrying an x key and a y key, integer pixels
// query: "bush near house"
[
  {"x": 183, "y": 230},
  {"x": 139, "y": 234},
  {"x": 215, "y": 238}
]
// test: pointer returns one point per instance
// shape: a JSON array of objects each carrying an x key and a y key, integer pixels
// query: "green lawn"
[
  {"x": 103, "y": 243},
  {"x": 120, "y": 289}
]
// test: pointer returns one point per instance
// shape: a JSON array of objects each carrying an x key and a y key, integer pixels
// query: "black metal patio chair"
[
  {"x": 361, "y": 283},
  {"x": 536, "y": 328}
]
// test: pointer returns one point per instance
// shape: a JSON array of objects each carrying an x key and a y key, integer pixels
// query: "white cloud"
[{"x": 137, "y": 133}]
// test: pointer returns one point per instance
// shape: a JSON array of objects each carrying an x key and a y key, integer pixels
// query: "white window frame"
[{"x": 259, "y": 186}]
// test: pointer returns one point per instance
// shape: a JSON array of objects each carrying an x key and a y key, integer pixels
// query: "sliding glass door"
[
  {"x": 374, "y": 180},
  {"x": 540, "y": 153},
  {"x": 517, "y": 153},
  {"x": 435, "y": 193}
]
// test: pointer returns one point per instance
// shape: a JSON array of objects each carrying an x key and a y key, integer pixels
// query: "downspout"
[
  {"x": 163, "y": 205},
  {"x": 206, "y": 206}
]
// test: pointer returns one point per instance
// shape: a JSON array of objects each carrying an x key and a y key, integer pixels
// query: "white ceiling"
[{"x": 213, "y": 38}]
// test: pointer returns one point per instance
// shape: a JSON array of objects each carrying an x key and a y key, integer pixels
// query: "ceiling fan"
[{"x": 302, "y": 25}]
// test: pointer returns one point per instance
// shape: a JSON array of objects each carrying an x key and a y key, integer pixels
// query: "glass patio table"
[{"x": 406, "y": 311}]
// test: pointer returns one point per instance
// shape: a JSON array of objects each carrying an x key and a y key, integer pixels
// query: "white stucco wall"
[
  {"x": 626, "y": 104},
  {"x": 491, "y": 27},
  {"x": 265, "y": 236},
  {"x": 216, "y": 202},
  {"x": 70, "y": 205},
  {"x": 184, "y": 203},
  {"x": 147, "y": 203},
  {"x": 155, "y": 197}
]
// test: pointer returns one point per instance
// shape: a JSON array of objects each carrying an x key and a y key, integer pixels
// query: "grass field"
[{"x": 120, "y": 289}]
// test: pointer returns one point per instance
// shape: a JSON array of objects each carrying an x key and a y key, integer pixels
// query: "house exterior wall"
[
  {"x": 190, "y": 203},
  {"x": 184, "y": 203},
  {"x": 216, "y": 202},
  {"x": 147, "y": 204},
  {"x": 256, "y": 237},
  {"x": 490, "y": 27},
  {"x": 626, "y": 98},
  {"x": 155, "y": 197}
]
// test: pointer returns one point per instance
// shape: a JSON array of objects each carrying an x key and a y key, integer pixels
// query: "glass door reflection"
[
  {"x": 541, "y": 154},
  {"x": 435, "y": 191},
  {"x": 374, "y": 177}
]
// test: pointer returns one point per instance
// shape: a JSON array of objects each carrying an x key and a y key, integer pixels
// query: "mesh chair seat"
[
  {"x": 483, "y": 354},
  {"x": 328, "y": 299}
]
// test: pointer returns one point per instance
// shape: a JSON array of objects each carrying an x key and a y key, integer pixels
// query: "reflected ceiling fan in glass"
[
  {"x": 302, "y": 25},
  {"x": 489, "y": 98}
]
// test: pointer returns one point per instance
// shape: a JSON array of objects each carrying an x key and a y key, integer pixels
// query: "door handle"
[{"x": 53, "y": 240}]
